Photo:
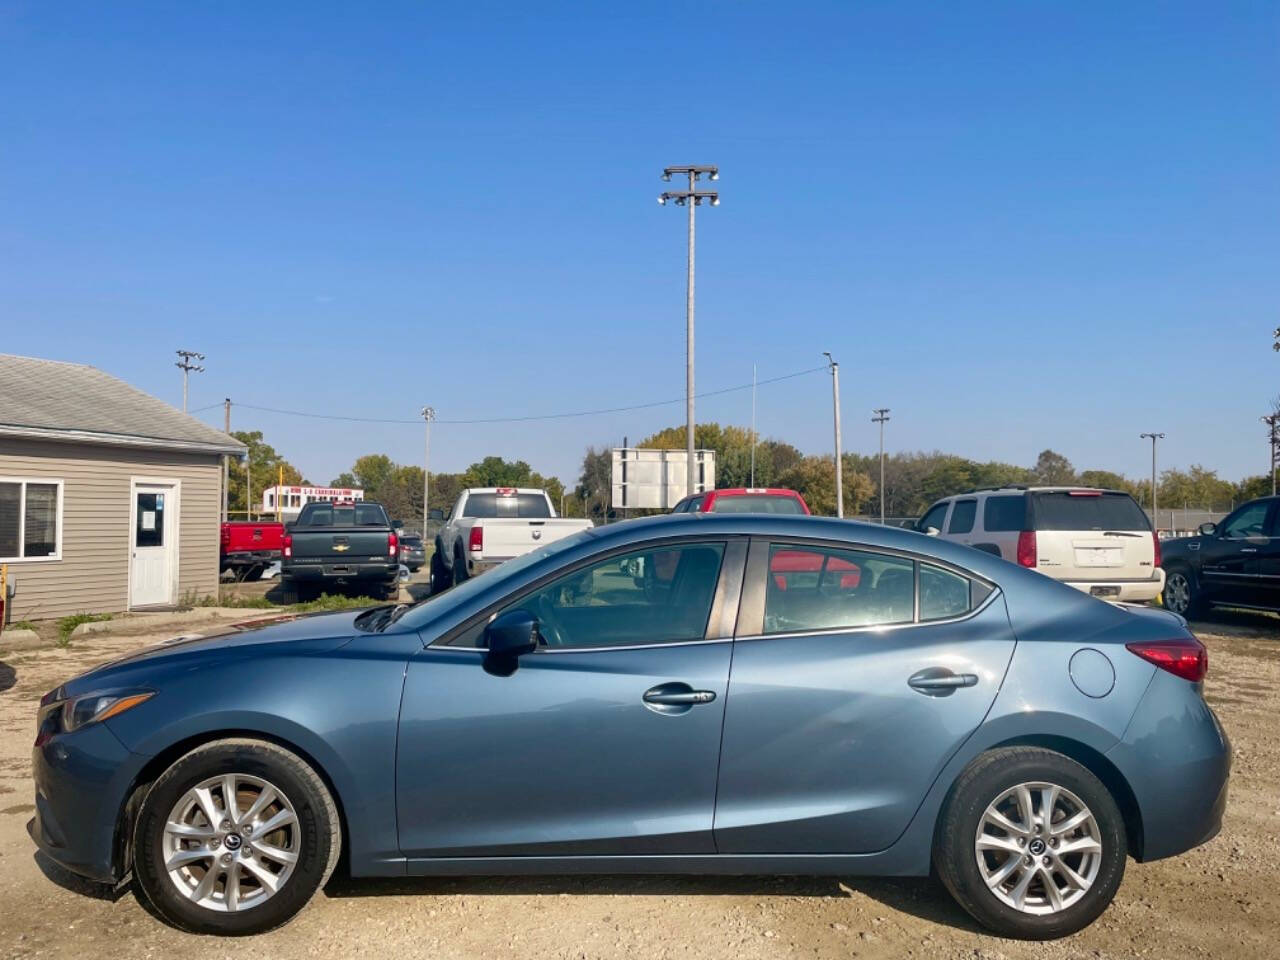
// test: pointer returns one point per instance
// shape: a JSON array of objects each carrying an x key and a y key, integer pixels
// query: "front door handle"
[
  {"x": 940, "y": 682},
  {"x": 673, "y": 698}
]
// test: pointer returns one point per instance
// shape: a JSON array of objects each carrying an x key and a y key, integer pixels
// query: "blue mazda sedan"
[{"x": 697, "y": 693}]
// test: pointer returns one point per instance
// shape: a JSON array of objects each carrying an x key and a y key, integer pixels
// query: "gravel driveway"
[{"x": 1218, "y": 901}]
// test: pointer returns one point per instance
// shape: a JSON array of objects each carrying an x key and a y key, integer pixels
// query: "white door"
[{"x": 153, "y": 544}]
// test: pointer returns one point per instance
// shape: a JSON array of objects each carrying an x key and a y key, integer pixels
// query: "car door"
[
  {"x": 1229, "y": 560},
  {"x": 849, "y": 694},
  {"x": 603, "y": 741},
  {"x": 1269, "y": 561}
]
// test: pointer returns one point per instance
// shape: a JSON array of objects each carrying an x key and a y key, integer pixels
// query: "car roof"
[
  {"x": 754, "y": 492},
  {"x": 1022, "y": 488}
]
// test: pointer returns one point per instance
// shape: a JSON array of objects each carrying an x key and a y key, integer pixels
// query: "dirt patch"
[{"x": 1216, "y": 901}]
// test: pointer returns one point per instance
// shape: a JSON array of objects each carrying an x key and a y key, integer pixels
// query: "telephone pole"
[
  {"x": 835, "y": 404},
  {"x": 1155, "y": 517},
  {"x": 881, "y": 417},
  {"x": 428, "y": 414},
  {"x": 691, "y": 198},
  {"x": 226, "y": 458},
  {"x": 187, "y": 367}
]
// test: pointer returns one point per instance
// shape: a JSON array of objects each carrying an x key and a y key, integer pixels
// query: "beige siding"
[{"x": 93, "y": 574}]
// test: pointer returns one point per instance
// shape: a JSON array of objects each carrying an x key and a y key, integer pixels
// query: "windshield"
[{"x": 496, "y": 577}]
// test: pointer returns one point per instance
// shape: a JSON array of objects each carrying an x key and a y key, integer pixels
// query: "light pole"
[
  {"x": 835, "y": 403},
  {"x": 690, "y": 198},
  {"x": 187, "y": 367},
  {"x": 1155, "y": 517},
  {"x": 428, "y": 414},
  {"x": 881, "y": 416},
  {"x": 1272, "y": 421}
]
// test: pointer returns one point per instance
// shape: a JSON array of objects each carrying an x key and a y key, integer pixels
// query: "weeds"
[{"x": 67, "y": 624}]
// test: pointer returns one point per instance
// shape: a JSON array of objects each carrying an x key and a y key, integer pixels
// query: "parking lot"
[{"x": 1216, "y": 901}]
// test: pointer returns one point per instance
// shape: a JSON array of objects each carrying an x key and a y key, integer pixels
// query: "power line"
[{"x": 526, "y": 419}]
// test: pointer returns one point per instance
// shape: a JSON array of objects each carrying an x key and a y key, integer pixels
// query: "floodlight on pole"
[
  {"x": 187, "y": 367},
  {"x": 690, "y": 198},
  {"x": 1155, "y": 517}
]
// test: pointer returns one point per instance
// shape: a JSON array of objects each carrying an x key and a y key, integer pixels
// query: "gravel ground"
[{"x": 1217, "y": 901}]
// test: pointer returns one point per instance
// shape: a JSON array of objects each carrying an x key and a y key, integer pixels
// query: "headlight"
[{"x": 65, "y": 716}]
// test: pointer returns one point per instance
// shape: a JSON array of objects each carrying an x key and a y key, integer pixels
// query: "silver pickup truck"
[{"x": 489, "y": 525}]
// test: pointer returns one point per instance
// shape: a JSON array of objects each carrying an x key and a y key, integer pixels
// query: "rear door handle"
[{"x": 940, "y": 682}]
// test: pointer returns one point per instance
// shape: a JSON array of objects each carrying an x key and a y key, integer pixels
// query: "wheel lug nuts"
[
  {"x": 1030, "y": 861},
  {"x": 226, "y": 858},
  {"x": 226, "y": 824},
  {"x": 1053, "y": 842},
  {"x": 1022, "y": 842},
  {"x": 1045, "y": 861}
]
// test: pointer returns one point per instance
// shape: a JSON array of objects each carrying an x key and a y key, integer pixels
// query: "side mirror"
[
  {"x": 931, "y": 531},
  {"x": 511, "y": 635},
  {"x": 397, "y": 524},
  {"x": 435, "y": 513},
  {"x": 1208, "y": 529}
]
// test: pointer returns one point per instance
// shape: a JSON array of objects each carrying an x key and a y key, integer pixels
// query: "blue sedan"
[{"x": 697, "y": 693}]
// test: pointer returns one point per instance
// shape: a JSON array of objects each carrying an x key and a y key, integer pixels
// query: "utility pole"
[
  {"x": 753, "y": 425},
  {"x": 835, "y": 402},
  {"x": 428, "y": 414},
  {"x": 187, "y": 367},
  {"x": 226, "y": 458},
  {"x": 881, "y": 416},
  {"x": 1155, "y": 517},
  {"x": 690, "y": 198},
  {"x": 1272, "y": 421}
]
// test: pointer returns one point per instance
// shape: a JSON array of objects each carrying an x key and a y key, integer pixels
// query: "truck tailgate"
[
  {"x": 504, "y": 538},
  {"x": 339, "y": 544}
]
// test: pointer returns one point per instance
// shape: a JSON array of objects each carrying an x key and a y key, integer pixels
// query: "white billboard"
[{"x": 656, "y": 479}]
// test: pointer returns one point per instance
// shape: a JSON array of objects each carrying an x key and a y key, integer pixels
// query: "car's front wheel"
[
  {"x": 235, "y": 838},
  {"x": 1031, "y": 843}
]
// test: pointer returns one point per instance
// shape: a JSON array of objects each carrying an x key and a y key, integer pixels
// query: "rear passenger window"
[
  {"x": 962, "y": 516},
  {"x": 943, "y": 594},
  {"x": 820, "y": 588},
  {"x": 1004, "y": 514}
]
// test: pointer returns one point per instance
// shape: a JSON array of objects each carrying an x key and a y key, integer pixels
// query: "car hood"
[{"x": 318, "y": 630}]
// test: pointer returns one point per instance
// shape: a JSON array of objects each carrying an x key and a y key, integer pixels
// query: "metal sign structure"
[{"x": 657, "y": 479}]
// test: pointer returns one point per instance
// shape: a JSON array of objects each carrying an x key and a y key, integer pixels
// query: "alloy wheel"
[
  {"x": 1177, "y": 593},
  {"x": 231, "y": 842},
  {"x": 1039, "y": 848}
]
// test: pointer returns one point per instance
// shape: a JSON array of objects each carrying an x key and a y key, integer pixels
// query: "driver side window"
[
  {"x": 657, "y": 595},
  {"x": 1247, "y": 523}
]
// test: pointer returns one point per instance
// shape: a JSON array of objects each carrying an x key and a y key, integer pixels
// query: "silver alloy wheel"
[
  {"x": 1177, "y": 593},
  {"x": 1039, "y": 848},
  {"x": 231, "y": 842}
]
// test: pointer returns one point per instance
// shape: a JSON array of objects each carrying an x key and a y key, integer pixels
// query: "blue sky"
[{"x": 1017, "y": 225}]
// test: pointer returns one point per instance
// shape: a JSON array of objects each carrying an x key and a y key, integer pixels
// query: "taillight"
[
  {"x": 1185, "y": 657},
  {"x": 286, "y": 544},
  {"x": 392, "y": 542},
  {"x": 226, "y": 536},
  {"x": 1155, "y": 537},
  {"x": 475, "y": 540},
  {"x": 1027, "y": 549}
]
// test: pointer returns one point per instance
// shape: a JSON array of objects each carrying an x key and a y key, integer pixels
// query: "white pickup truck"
[{"x": 489, "y": 525}]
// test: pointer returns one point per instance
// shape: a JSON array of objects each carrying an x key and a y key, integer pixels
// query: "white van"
[{"x": 1098, "y": 541}]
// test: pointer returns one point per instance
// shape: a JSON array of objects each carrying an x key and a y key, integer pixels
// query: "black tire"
[
  {"x": 290, "y": 592},
  {"x": 956, "y": 857},
  {"x": 441, "y": 579},
  {"x": 459, "y": 567},
  {"x": 1181, "y": 593},
  {"x": 319, "y": 840}
]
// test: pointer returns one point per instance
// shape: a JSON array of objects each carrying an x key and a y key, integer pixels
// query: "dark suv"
[{"x": 1235, "y": 563}]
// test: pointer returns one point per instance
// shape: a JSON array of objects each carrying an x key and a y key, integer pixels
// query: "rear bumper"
[
  {"x": 1176, "y": 758},
  {"x": 1124, "y": 590},
  {"x": 250, "y": 558},
  {"x": 335, "y": 572}
]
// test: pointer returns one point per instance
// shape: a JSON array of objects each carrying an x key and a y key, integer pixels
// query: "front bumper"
[
  {"x": 1125, "y": 591},
  {"x": 1176, "y": 758},
  {"x": 81, "y": 783}
]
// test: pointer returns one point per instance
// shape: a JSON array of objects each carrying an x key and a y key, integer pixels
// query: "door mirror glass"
[
  {"x": 435, "y": 514},
  {"x": 1208, "y": 529},
  {"x": 512, "y": 634},
  {"x": 931, "y": 531}
]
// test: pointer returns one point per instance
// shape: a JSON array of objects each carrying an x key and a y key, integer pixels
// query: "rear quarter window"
[
  {"x": 1071, "y": 511},
  {"x": 1004, "y": 513}
]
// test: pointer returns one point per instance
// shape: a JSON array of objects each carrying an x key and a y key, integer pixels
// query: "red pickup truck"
[{"x": 249, "y": 547}]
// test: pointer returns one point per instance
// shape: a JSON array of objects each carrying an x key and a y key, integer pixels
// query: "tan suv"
[{"x": 1098, "y": 541}]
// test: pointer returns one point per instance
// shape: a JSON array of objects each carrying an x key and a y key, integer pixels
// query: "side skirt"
[{"x": 873, "y": 864}]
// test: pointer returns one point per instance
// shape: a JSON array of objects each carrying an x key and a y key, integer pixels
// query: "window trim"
[
  {"x": 720, "y": 619},
  {"x": 750, "y": 624},
  {"x": 22, "y": 519}
]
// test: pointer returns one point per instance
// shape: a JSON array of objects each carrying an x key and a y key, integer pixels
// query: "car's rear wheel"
[
  {"x": 440, "y": 580},
  {"x": 459, "y": 567},
  {"x": 1181, "y": 595},
  {"x": 1031, "y": 843},
  {"x": 235, "y": 838}
]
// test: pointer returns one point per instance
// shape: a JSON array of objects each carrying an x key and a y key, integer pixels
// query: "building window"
[{"x": 30, "y": 519}]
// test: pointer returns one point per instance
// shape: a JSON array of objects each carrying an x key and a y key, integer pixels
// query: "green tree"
[
  {"x": 264, "y": 471},
  {"x": 594, "y": 488},
  {"x": 814, "y": 478},
  {"x": 1053, "y": 468}
]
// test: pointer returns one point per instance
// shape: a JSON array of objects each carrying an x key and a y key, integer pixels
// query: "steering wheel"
[{"x": 547, "y": 626}]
